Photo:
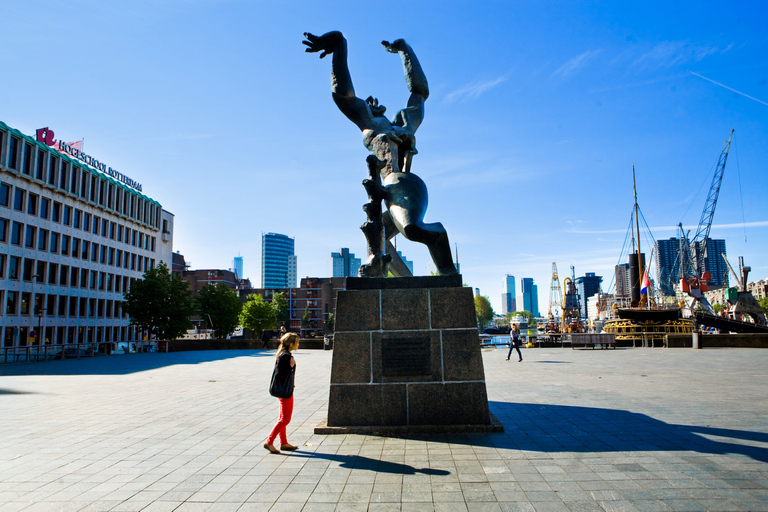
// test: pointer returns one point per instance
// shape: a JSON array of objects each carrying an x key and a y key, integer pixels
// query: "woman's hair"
[{"x": 286, "y": 342}]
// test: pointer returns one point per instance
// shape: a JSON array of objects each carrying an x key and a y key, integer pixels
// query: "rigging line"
[{"x": 741, "y": 196}]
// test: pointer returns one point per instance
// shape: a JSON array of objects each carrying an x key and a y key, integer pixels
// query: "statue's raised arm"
[
  {"x": 341, "y": 82},
  {"x": 416, "y": 81}
]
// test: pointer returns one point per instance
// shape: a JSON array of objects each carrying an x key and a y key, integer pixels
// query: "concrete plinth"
[{"x": 406, "y": 353}]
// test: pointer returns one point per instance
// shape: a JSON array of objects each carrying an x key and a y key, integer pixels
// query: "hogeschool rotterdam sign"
[{"x": 75, "y": 150}]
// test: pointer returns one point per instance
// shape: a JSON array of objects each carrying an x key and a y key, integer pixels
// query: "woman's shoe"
[
  {"x": 288, "y": 447},
  {"x": 271, "y": 448}
]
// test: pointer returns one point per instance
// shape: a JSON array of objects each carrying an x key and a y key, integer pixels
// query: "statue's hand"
[
  {"x": 325, "y": 43},
  {"x": 396, "y": 46}
]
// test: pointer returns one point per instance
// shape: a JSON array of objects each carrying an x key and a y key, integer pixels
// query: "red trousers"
[{"x": 286, "y": 410}]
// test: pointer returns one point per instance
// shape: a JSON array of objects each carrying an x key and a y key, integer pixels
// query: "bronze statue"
[{"x": 392, "y": 146}]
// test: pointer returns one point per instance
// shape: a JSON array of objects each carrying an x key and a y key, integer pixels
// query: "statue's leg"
[{"x": 433, "y": 235}]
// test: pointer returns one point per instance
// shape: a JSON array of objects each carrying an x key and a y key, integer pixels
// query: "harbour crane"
[
  {"x": 555, "y": 303},
  {"x": 694, "y": 277}
]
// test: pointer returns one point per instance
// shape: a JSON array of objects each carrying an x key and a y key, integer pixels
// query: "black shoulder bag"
[{"x": 281, "y": 385}]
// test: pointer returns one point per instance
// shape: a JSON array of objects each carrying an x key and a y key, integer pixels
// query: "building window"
[
  {"x": 4, "y": 230},
  {"x": 75, "y": 179},
  {"x": 72, "y": 314},
  {"x": 13, "y": 152},
  {"x": 104, "y": 227},
  {"x": 63, "y": 181},
  {"x": 64, "y": 276},
  {"x": 42, "y": 240},
  {"x": 40, "y": 274},
  {"x": 26, "y": 298},
  {"x": 45, "y": 205},
  {"x": 56, "y": 212},
  {"x": 2, "y": 270},
  {"x": 67, "y": 215},
  {"x": 32, "y": 204},
  {"x": 27, "y": 169},
  {"x": 18, "y": 199},
  {"x": 53, "y": 164},
  {"x": 94, "y": 252},
  {"x": 50, "y": 307},
  {"x": 119, "y": 232},
  {"x": 54, "y": 243},
  {"x": 84, "y": 184},
  {"x": 76, "y": 219},
  {"x": 93, "y": 188},
  {"x": 84, "y": 278},
  {"x": 74, "y": 278},
  {"x": 65, "y": 245},
  {"x": 75, "y": 247},
  {"x": 96, "y": 225},
  {"x": 29, "y": 238},
  {"x": 86, "y": 221},
  {"x": 112, "y": 230},
  {"x": 29, "y": 266},
  {"x": 62, "y": 312},
  {"x": 102, "y": 193},
  {"x": 16, "y": 228},
  {"x": 40, "y": 171},
  {"x": 84, "y": 253},
  {"x": 5, "y": 194},
  {"x": 11, "y": 307},
  {"x": 53, "y": 273},
  {"x": 14, "y": 266}
]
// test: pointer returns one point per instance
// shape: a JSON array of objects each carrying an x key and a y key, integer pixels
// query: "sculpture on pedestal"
[{"x": 392, "y": 145}]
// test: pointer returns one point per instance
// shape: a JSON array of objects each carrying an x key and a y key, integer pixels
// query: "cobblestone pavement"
[{"x": 625, "y": 429}]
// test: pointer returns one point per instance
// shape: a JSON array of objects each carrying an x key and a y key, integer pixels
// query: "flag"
[{"x": 646, "y": 283}]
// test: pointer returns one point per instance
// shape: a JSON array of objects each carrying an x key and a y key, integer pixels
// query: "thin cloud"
[
  {"x": 756, "y": 224},
  {"x": 575, "y": 63},
  {"x": 669, "y": 54},
  {"x": 729, "y": 88},
  {"x": 474, "y": 90}
]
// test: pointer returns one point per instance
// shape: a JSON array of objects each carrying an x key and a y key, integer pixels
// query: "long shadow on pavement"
[
  {"x": 360, "y": 462},
  {"x": 125, "y": 364},
  {"x": 563, "y": 428}
]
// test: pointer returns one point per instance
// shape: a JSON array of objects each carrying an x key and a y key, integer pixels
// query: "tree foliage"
[
  {"x": 257, "y": 314},
  {"x": 305, "y": 317},
  {"x": 330, "y": 322},
  {"x": 160, "y": 303},
  {"x": 764, "y": 304},
  {"x": 223, "y": 306},
  {"x": 483, "y": 310},
  {"x": 280, "y": 304},
  {"x": 529, "y": 318}
]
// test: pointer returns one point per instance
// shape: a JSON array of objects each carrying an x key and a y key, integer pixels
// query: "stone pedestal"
[{"x": 406, "y": 355}]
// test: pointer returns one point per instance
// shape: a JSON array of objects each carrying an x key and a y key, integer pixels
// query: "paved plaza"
[{"x": 625, "y": 429}]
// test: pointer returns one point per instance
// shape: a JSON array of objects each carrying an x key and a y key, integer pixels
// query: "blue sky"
[{"x": 537, "y": 112}]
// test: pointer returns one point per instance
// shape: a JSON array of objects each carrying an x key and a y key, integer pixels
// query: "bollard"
[{"x": 696, "y": 342}]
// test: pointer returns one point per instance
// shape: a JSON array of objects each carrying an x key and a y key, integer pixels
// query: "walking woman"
[
  {"x": 514, "y": 342},
  {"x": 284, "y": 370}
]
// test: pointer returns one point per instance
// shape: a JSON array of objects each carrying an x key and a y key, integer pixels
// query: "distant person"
[
  {"x": 286, "y": 365},
  {"x": 514, "y": 342},
  {"x": 265, "y": 335}
]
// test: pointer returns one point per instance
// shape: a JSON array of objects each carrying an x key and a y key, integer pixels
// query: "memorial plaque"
[{"x": 406, "y": 356}]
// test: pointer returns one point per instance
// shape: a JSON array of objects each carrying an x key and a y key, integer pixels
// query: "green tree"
[
  {"x": 483, "y": 310},
  {"x": 160, "y": 303},
  {"x": 221, "y": 305},
  {"x": 764, "y": 304},
  {"x": 280, "y": 304},
  {"x": 257, "y": 314},
  {"x": 717, "y": 307},
  {"x": 330, "y": 322}
]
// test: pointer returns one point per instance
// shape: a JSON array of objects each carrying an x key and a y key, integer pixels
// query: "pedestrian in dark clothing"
[
  {"x": 265, "y": 335},
  {"x": 514, "y": 342}
]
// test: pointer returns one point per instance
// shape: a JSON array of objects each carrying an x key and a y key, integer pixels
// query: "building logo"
[{"x": 75, "y": 150}]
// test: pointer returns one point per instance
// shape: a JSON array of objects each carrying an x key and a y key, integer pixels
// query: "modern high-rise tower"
[
  {"x": 238, "y": 267},
  {"x": 530, "y": 295},
  {"x": 668, "y": 258},
  {"x": 343, "y": 264},
  {"x": 278, "y": 261},
  {"x": 508, "y": 300}
]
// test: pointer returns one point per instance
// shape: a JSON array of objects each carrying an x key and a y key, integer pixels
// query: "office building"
[
  {"x": 237, "y": 267},
  {"x": 530, "y": 293},
  {"x": 278, "y": 261},
  {"x": 508, "y": 298},
  {"x": 343, "y": 264},
  {"x": 668, "y": 262},
  {"x": 623, "y": 288},
  {"x": 408, "y": 263},
  {"x": 74, "y": 235},
  {"x": 587, "y": 286}
]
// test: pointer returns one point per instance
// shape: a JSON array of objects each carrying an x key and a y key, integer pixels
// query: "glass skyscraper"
[
  {"x": 530, "y": 295},
  {"x": 278, "y": 261},
  {"x": 508, "y": 299}
]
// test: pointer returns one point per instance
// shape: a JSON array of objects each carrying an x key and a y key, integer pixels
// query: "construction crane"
[
  {"x": 571, "y": 319},
  {"x": 693, "y": 253},
  {"x": 555, "y": 303}
]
